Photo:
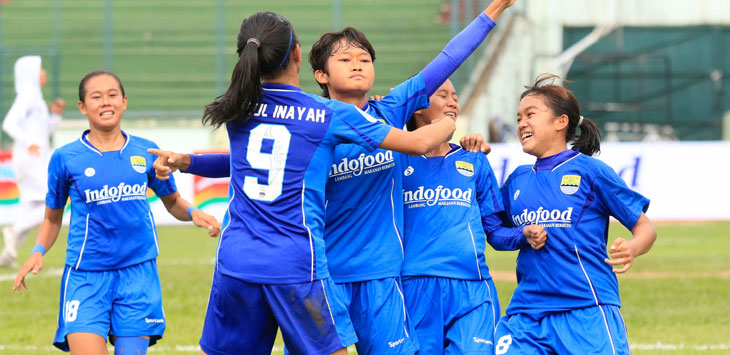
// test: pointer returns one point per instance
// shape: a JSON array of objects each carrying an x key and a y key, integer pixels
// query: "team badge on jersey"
[
  {"x": 409, "y": 171},
  {"x": 570, "y": 184},
  {"x": 89, "y": 172},
  {"x": 464, "y": 168},
  {"x": 138, "y": 164}
]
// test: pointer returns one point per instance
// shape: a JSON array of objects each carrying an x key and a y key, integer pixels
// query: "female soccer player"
[
  {"x": 567, "y": 299},
  {"x": 451, "y": 198},
  {"x": 110, "y": 283},
  {"x": 364, "y": 187},
  {"x": 30, "y": 125},
  {"x": 271, "y": 265}
]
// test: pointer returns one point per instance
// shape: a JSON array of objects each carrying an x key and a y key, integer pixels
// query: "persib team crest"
[
  {"x": 570, "y": 184},
  {"x": 138, "y": 164},
  {"x": 464, "y": 168}
]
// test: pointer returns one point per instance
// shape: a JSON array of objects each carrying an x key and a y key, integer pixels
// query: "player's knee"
[{"x": 131, "y": 345}]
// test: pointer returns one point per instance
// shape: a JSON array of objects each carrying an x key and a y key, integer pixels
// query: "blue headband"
[{"x": 291, "y": 36}]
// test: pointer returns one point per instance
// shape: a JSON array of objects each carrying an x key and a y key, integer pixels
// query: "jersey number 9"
[{"x": 274, "y": 162}]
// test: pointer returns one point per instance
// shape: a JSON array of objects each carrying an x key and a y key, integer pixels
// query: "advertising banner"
[{"x": 685, "y": 181}]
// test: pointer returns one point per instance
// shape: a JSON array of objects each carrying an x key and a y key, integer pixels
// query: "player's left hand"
[
  {"x": 620, "y": 253},
  {"x": 204, "y": 220},
  {"x": 474, "y": 142}
]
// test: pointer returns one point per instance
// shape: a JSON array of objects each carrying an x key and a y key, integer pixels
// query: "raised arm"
[
  {"x": 47, "y": 235},
  {"x": 462, "y": 46}
]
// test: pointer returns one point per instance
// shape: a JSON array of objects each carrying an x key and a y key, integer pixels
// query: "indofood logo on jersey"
[
  {"x": 365, "y": 163},
  {"x": 443, "y": 196},
  {"x": 138, "y": 164},
  {"x": 123, "y": 192},
  {"x": 546, "y": 218}
]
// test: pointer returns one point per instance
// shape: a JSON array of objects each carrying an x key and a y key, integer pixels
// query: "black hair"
[
  {"x": 82, "y": 84},
  {"x": 329, "y": 44},
  {"x": 264, "y": 45},
  {"x": 562, "y": 102}
]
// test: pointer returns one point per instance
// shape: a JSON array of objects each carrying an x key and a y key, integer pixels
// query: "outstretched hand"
[
  {"x": 204, "y": 220},
  {"x": 167, "y": 162},
  {"x": 34, "y": 264},
  {"x": 620, "y": 254},
  {"x": 535, "y": 235},
  {"x": 474, "y": 142}
]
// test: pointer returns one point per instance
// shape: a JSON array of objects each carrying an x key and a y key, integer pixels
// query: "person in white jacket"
[{"x": 30, "y": 124}]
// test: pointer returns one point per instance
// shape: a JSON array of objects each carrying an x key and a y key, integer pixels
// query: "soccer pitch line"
[{"x": 50, "y": 272}]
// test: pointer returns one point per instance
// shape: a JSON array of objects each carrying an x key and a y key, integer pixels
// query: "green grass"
[{"x": 676, "y": 295}]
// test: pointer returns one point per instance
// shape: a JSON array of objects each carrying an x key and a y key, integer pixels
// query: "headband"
[{"x": 291, "y": 36}]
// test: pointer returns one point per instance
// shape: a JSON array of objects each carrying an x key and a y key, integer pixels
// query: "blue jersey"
[
  {"x": 111, "y": 222},
  {"x": 445, "y": 200},
  {"x": 280, "y": 157},
  {"x": 364, "y": 219},
  {"x": 572, "y": 195}
]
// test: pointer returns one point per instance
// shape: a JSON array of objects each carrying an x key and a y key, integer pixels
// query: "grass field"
[{"x": 676, "y": 298}]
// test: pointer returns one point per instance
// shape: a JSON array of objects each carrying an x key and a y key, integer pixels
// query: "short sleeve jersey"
[
  {"x": 572, "y": 195},
  {"x": 364, "y": 220},
  {"x": 111, "y": 226},
  {"x": 273, "y": 229},
  {"x": 445, "y": 199}
]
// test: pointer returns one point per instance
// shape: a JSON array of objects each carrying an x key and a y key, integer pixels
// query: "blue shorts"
[
  {"x": 123, "y": 302},
  {"x": 242, "y": 317},
  {"x": 591, "y": 330},
  {"x": 452, "y": 316},
  {"x": 379, "y": 315}
]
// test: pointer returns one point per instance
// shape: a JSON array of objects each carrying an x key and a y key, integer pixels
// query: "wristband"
[
  {"x": 38, "y": 248},
  {"x": 190, "y": 211}
]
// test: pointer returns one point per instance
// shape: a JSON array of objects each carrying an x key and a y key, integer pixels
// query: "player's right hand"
[
  {"x": 167, "y": 162},
  {"x": 204, "y": 220},
  {"x": 34, "y": 264},
  {"x": 535, "y": 235}
]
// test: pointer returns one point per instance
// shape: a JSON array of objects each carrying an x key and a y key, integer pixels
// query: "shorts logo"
[
  {"x": 393, "y": 344},
  {"x": 89, "y": 172},
  {"x": 570, "y": 184},
  {"x": 138, "y": 164},
  {"x": 409, "y": 171},
  {"x": 517, "y": 193},
  {"x": 464, "y": 168}
]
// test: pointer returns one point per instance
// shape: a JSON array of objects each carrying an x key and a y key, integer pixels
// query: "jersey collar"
[
  {"x": 454, "y": 148},
  {"x": 279, "y": 87},
  {"x": 553, "y": 162},
  {"x": 88, "y": 144}
]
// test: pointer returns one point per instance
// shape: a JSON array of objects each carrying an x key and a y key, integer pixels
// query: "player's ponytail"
[
  {"x": 264, "y": 46},
  {"x": 589, "y": 139},
  {"x": 562, "y": 102}
]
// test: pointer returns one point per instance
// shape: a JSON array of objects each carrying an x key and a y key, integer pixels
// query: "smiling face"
[
  {"x": 541, "y": 132},
  {"x": 103, "y": 102},
  {"x": 349, "y": 71},
  {"x": 444, "y": 102}
]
